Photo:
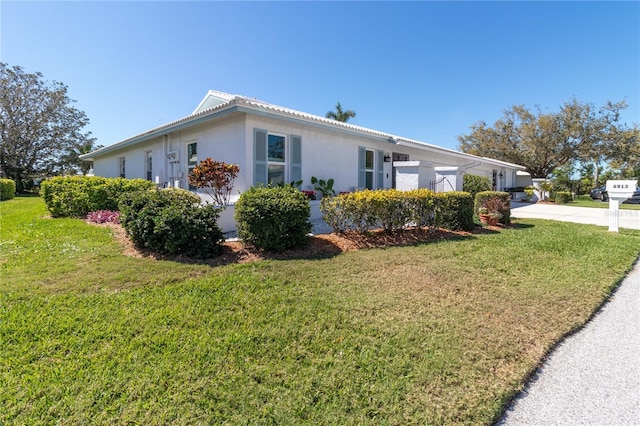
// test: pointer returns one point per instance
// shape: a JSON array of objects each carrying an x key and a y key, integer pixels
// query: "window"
[
  {"x": 192, "y": 159},
  {"x": 149, "y": 166},
  {"x": 121, "y": 167},
  {"x": 370, "y": 168},
  {"x": 277, "y": 158}
]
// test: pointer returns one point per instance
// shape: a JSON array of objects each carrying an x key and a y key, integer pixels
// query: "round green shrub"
[
  {"x": 563, "y": 197},
  {"x": 474, "y": 184},
  {"x": 7, "y": 189},
  {"x": 171, "y": 221},
  {"x": 273, "y": 218}
]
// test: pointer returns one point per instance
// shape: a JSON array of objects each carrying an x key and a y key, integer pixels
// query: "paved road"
[
  {"x": 628, "y": 218},
  {"x": 593, "y": 377}
]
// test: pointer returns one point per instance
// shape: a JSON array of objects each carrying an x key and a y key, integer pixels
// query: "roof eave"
[{"x": 180, "y": 124}]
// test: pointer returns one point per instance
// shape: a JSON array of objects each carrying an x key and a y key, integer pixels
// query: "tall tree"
[
  {"x": 624, "y": 152},
  {"x": 340, "y": 115},
  {"x": 39, "y": 129},
  {"x": 543, "y": 142}
]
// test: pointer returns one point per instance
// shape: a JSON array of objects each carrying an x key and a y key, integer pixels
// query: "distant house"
[{"x": 273, "y": 144}]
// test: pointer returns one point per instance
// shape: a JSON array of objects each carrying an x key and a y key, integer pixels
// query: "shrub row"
[
  {"x": 76, "y": 196},
  {"x": 7, "y": 189},
  {"x": 273, "y": 218},
  {"x": 504, "y": 200},
  {"x": 171, "y": 221},
  {"x": 394, "y": 210}
]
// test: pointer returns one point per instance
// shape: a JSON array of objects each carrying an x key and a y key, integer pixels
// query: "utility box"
[{"x": 618, "y": 191}]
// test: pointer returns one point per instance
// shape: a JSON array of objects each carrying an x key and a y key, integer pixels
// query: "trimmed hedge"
[
  {"x": 273, "y": 218},
  {"x": 482, "y": 197},
  {"x": 457, "y": 212},
  {"x": 393, "y": 210},
  {"x": 76, "y": 196},
  {"x": 171, "y": 221},
  {"x": 7, "y": 189}
]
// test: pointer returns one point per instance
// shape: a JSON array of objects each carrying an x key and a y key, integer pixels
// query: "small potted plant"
[{"x": 489, "y": 213}]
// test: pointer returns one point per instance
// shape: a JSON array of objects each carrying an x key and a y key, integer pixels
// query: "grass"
[
  {"x": 586, "y": 201},
  {"x": 439, "y": 333}
]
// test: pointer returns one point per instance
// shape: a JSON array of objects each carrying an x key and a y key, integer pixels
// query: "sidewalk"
[
  {"x": 593, "y": 377},
  {"x": 595, "y": 216}
]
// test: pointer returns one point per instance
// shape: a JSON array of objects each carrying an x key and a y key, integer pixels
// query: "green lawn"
[
  {"x": 438, "y": 333},
  {"x": 586, "y": 201}
]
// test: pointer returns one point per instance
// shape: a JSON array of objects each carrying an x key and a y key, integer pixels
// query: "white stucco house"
[{"x": 273, "y": 144}]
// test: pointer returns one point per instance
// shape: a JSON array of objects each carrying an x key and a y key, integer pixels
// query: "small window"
[
  {"x": 122, "y": 167},
  {"x": 149, "y": 166},
  {"x": 192, "y": 159},
  {"x": 369, "y": 168}
]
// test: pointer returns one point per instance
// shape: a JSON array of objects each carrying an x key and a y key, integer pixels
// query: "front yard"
[{"x": 441, "y": 332}]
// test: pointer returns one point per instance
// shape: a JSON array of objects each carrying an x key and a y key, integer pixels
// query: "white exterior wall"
[
  {"x": 135, "y": 161},
  {"x": 325, "y": 154},
  {"x": 413, "y": 174},
  {"x": 220, "y": 140}
]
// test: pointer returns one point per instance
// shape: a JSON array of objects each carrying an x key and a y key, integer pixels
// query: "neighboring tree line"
[
  {"x": 40, "y": 131},
  {"x": 555, "y": 144}
]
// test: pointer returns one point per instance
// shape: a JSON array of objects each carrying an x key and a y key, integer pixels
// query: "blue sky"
[{"x": 423, "y": 70}]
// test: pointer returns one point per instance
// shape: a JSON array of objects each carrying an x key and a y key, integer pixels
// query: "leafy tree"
[
  {"x": 543, "y": 142},
  {"x": 474, "y": 184},
  {"x": 340, "y": 115},
  {"x": 40, "y": 132},
  {"x": 624, "y": 152}
]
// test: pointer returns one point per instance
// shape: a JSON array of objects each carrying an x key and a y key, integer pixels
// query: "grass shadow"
[{"x": 322, "y": 246}]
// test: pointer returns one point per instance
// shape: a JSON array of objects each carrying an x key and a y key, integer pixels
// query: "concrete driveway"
[{"x": 594, "y": 216}]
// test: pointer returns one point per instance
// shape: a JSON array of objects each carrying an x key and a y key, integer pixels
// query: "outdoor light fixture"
[
  {"x": 387, "y": 157},
  {"x": 500, "y": 175}
]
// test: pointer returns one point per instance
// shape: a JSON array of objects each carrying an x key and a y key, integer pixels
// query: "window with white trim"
[
  {"x": 148, "y": 165},
  {"x": 369, "y": 155},
  {"x": 277, "y": 158},
  {"x": 370, "y": 168},
  {"x": 192, "y": 160}
]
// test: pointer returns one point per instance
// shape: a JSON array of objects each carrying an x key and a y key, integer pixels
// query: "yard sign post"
[{"x": 618, "y": 191}]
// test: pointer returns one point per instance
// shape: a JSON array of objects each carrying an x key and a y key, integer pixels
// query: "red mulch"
[{"x": 323, "y": 245}]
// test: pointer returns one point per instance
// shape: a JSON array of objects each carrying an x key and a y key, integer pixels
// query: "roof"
[{"x": 216, "y": 104}]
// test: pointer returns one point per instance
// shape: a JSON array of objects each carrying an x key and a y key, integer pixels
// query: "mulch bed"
[{"x": 322, "y": 245}]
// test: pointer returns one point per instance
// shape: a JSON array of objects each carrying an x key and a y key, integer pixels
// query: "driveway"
[{"x": 594, "y": 216}]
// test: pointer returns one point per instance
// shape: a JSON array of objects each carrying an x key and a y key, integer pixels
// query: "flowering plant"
[
  {"x": 311, "y": 195},
  {"x": 103, "y": 216}
]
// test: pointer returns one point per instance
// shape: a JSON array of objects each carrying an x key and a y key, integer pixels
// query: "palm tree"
[{"x": 340, "y": 115}]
